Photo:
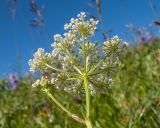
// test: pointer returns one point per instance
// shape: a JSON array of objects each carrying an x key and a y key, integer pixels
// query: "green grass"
[{"x": 133, "y": 101}]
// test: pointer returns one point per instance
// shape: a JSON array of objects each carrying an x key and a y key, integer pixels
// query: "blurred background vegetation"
[{"x": 133, "y": 101}]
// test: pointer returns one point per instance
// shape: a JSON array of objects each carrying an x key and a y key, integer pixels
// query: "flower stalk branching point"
[{"x": 76, "y": 61}]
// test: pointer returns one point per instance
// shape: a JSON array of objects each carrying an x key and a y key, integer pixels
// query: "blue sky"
[{"x": 18, "y": 39}]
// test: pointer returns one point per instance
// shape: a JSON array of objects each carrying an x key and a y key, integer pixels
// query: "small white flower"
[
  {"x": 53, "y": 44},
  {"x": 116, "y": 38},
  {"x": 57, "y": 37},
  {"x": 53, "y": 80},
  {"x": 37, "y": 83},
  {"x": 72, "y": 20},
  {"x": 125, "y": 43},
  {"x": 67, "y": 26},
  {"x": 81, "y": 15}
]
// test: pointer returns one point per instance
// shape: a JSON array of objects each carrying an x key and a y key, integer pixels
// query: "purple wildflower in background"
[{"x": 13, "y": 81}]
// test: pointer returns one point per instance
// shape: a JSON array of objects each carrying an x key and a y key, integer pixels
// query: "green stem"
[
  {"x": 98, "y": 64},
  {"x": 87, "y": 97},
  {"x": 86, "y": 85},
  {"x": 73, "y": 61},
  {"x": 76, "y": 67},
  {"x": 101, "y": 71},
  {"x": 84, "y": 54},
  {"x": 88, "y": 123},
  {"x": 74, "y": 116},
  {"x": 73, "y": 78},
  {"x": 59, "y": 104},
  {"x": 85, "y": 79},
  {"x": 62, "y": 71}
]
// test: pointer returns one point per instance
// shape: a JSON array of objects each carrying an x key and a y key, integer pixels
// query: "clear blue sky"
[{"x": 17, "y": 38}]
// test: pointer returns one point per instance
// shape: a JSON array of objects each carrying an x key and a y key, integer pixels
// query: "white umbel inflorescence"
[{"x": 58, "y": 68}]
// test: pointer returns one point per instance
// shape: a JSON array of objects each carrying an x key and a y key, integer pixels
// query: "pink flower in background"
[
  {"x": 142, "y": 39},
  {"x": 146, "y": 38},
  {"x": 149, "y": 37}
]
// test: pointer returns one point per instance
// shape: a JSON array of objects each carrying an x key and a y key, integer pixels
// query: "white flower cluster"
[
  {"x": 114, "y": 44},
  {"x": 41, "y": 82},
  {"x": 111, "y": 43},
  {"x": 81, "y": 26},
  {"x": 63, "y": 67},
  {"x": 40, "y": 58}
]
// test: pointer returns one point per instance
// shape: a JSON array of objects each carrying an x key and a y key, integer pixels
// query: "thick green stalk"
[
  {"x": 85, "y": 79},
  {"x": 87, "y": 97},
  {"x": 88, "y": 123},
  {"x": 86, "y": 86}
]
